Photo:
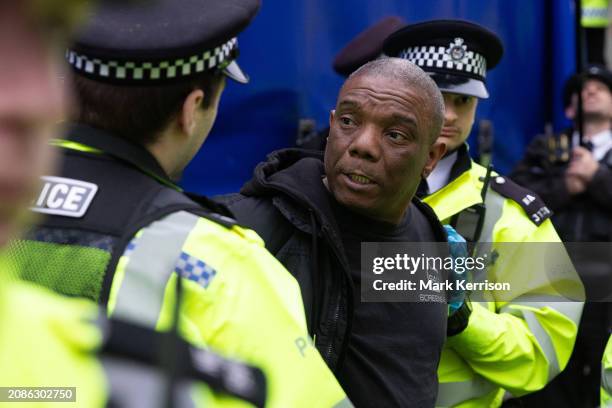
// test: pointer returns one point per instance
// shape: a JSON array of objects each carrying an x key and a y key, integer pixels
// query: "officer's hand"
[
  {"x": 583, "y": 164},
  {"x": 574, "y": 184}
]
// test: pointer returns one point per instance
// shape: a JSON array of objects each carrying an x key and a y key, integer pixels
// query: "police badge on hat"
[
  {"x": 457, "y": 50},
  {"x": 457, "y": 54}
]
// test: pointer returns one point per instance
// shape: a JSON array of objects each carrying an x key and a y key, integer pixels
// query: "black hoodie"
[{"x": 287, "y": 204}]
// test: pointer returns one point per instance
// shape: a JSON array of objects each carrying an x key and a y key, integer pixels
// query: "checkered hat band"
[
  {"x": 146, "y": 71},
  {"x": 439, "y": 57}
]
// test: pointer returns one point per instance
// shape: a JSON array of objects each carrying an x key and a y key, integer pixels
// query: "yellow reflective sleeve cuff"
[
  {"x": 118, "y": 279},
  {"x": 519, "y": 365}
]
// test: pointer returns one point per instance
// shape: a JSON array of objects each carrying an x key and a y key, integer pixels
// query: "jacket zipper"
[{"x": 334, "y": 324}]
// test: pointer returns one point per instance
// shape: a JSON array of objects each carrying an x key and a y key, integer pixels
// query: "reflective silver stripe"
[
  {"x": 544, "y": 341},
  {"x": 606, "y": 379},
  {"x": 451, "y": 394},
  {"x": 136, "y": 385},
  {"x": 494, "y": 203},
  {"x": 570, "y": 309},
  {"x": 595, "y": 12},
  {"x": 345, "y": 403},
  {"x": 539, "y": 333},
  {"x": 150, "y": 265}
]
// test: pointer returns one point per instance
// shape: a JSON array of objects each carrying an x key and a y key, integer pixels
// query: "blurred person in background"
[
  {"x": 45, "y": 340},
  {"x": 574, "y": 176},
  {"x": 595, "y": 22}
]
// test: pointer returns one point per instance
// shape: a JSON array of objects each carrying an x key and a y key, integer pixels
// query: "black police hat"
[
  {"x": 574, "y": 82},
  {"x": 161, "y": 41},
  {"x": 366, "y": 46},
  {"x": 457, "y": 54}
]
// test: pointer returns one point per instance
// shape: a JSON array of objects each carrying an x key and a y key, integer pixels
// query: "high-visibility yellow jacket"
[
  {"x": 47, "y": 340},
  {"x": 594, "y": 13},
  {"x": 52, "y": 341},
  {"x": 516, "y": 344},
  {"x": 128, "y": 242}
]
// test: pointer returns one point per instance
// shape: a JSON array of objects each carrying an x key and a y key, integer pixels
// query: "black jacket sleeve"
[
  {"x": 537, "y": 173},
  {"x": 600, "y": 187}
]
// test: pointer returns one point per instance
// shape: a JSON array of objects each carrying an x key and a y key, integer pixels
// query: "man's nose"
[
  {"x": 366, "y": 144},
  {"x": 589, "y": 88},
  {"x": 450, "y": 116}
]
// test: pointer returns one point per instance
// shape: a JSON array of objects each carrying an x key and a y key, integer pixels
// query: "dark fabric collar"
[
  {"x": 118, "y": 148},
  {"x": 294, "y": 178},
  {"x": 462, "y": 164}
]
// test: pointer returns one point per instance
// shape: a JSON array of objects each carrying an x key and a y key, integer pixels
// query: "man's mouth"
[
  {"x": 450, "y": 131},
  {"x": 359, "y": 179}
]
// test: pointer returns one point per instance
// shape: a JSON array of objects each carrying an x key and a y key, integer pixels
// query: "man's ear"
[
  {"x": 191, "y": 104},
  {"x": 572, "y": 107},
  {"x": 332, "y": 117},
  {"x": 436, "y": 151}
]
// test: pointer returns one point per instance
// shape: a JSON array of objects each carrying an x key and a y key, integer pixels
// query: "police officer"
[
  {"x": 119, "y": 231},
  {"x": 574, "y": 175},
  {"x": 575, "y": 178},
  {"x": 505, "y": 346},
  {"x": 595, "y": 21},
  {"x": 49, "y": 340}
]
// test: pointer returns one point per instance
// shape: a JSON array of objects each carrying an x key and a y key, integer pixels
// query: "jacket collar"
[
  {"x": 462, "y": 164},
  {"x": 120, "y": 149},
  {"x": 460, "y": 193}
]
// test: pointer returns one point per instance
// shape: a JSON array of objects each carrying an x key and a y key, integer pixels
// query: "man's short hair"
[
  {"x": 138, "y": 113},
  {"x": 412, "y": 76}
]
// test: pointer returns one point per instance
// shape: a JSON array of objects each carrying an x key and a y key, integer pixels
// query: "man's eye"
[
  {"x": 396, "y": 136},
  {"x": 464, "y": 100},
  {"x": 346, "y": 121}
]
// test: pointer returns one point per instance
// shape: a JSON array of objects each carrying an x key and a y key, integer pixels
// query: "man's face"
[
  {"x": 32, "y": 100},
  {"x": 458, "y": 119},
  {"x": 596, "y": 101},
  {"x": 379, "y": 144}
]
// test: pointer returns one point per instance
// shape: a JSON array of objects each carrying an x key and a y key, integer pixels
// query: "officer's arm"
[
  {"x": 529, "y": 340},
  {"x": 251, "y": 309}
]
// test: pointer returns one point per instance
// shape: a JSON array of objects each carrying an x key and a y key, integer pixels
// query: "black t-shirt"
[{"x": 394, "y": 348}]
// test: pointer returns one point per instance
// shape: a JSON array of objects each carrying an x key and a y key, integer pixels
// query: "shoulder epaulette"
[
  {"x": 533, "y": 205},
  {"x": 214, "y": 211}
]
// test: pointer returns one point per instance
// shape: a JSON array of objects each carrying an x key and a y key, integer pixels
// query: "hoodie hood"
[{"x": 298, "y": 175}]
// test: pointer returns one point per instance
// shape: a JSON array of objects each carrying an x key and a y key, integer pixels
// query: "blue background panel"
[{"x": 289, "y": 48}]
